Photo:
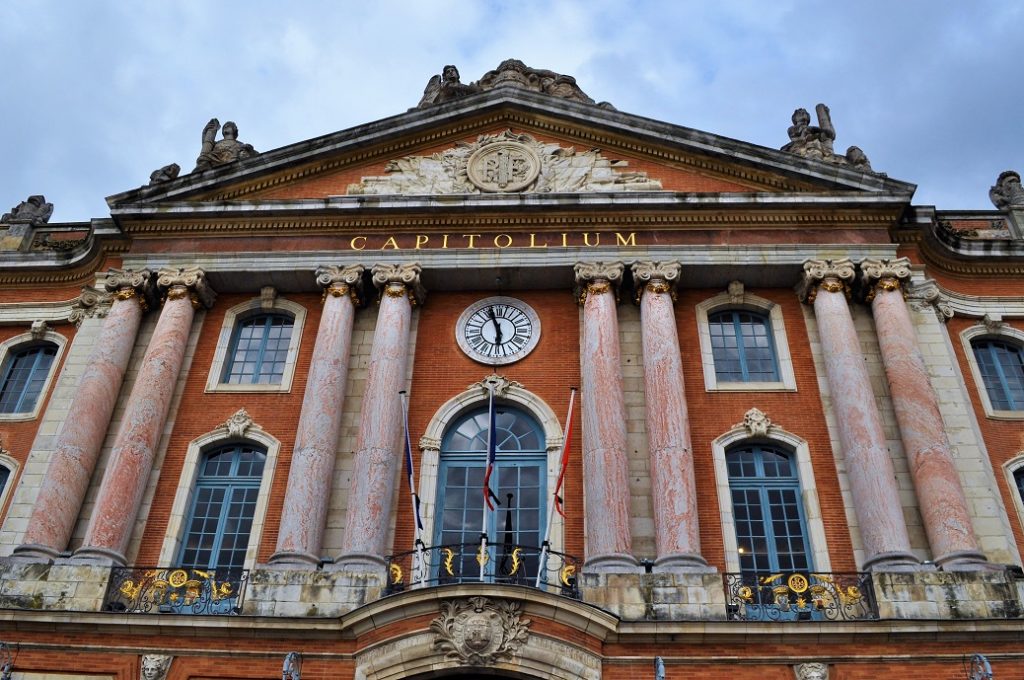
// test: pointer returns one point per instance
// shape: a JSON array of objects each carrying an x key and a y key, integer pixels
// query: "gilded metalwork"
[
  {"x": 396, "y": 574},
  {"x": 482, "y": 556},
  {"x": 799, "y": 597},
  {"x": 886, "y": 284},
  {"x": 175, "y": 591},
  {"x": 176, "y": 293},
  {"x": 502, "y": 563},
  {"x": 125, "y": 293}
]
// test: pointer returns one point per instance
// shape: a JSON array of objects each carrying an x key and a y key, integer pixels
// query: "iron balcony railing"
[
  {"x": 492, "y": 563},
  {"x": 797, "y": 596},
  {"x": 174, "y": 590}
]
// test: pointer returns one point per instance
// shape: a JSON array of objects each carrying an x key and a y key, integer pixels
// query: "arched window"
[
  {"x": 742, "y": 346},
  {"x": 5, "y": 476},
  {"x": 24, "y": 376},
  {"x": 768, "y": 511},
  {"x": 519, "y": 470},
  {"x": 1001, "y": 366},
  {"x": 259, "y": 348},
  {"x": 223, "y": 503},
  {"x": 1018, "y": 477}
]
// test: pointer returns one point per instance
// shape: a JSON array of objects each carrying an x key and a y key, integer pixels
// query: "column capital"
[
  {"x": 928, "y": 295},
  {"x": 124, "y": 284},
  {"x": 655, "y": 277},
  {"x": 340, "y": 281},
  {"x": 397, "y": 280},
  {"x": 594, "y": 278},
  {"x": 177, "y": 282},
  {"x": 832, "y": 275},
  {"x": 884, "y": 273},
  {"x": 92, "y": 302}
]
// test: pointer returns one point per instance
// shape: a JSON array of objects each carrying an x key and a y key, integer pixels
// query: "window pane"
[
  {"x": 1002, "y": 370},
  {"x": 742, "y": 347},
  {"x": 259, "y": 350},
  {"x": 24, "y": 375}
]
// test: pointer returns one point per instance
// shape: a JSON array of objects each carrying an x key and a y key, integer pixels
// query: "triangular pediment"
[{"x": 511, "y": 142}]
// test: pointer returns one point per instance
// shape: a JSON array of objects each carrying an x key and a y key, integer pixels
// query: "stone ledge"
[{"x": 947, "y": 595}]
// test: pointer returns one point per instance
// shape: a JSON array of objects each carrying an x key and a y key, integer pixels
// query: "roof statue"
[
  {"x": 1007, "y": 193},
  {"x": 510, "y": 73},
  {"x": 164, "y": 174},
  {"x": 815, "y": 141},
  {"x": 227, "y": 150},
  {"x": 34, "y": 210}
]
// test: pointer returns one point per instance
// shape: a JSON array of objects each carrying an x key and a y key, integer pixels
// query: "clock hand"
[{"x": 497, "y": 326}]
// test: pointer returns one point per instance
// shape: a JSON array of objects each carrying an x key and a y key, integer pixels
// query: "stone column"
[
  {"x": 676, "y": 527},
  {"x": 378, "y": 453},
  {"x": 78, "y": 444},
  {"x": 131, "y": 459},
  {"x": 605, "y": 467},
  {"x": 940, "y": 496},
  {"x": 876, "y": 498},
  {"x": 316, "y": 440}
]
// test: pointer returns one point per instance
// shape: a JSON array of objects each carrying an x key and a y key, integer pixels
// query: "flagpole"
[
  {"x": 487, "y": 479},
  {"x": 420, "y": 563},
  {"x": 555, "y": 500}
]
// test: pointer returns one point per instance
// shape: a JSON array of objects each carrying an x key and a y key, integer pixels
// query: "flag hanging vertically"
[
  {"x": 492, "y": 446},
  {"x": 559, "y": 500},
  {"x": 408, "y": 468}
]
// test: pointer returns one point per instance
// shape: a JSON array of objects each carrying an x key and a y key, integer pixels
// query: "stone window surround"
[
  {"x": 474, "y": 397},
  {"x": 186, "y": 485},
  {"x": 17, "y": 342},
  {"x": 1011, "y": 466},
  {"x": 808, "y": 491},
  {"x": 749, "y": 302},
  {"x": 977, "y": 332},
  {"x": 227, "y": 330},
  {"x": 12, "y": 477}
]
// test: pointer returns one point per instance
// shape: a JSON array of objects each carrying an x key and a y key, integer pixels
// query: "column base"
[
  {"x": 682, "y": 563},
  {"x": 292, "y": 559},
  {"x": 361, "y": 563},
  {"x": 34, "y": 552},
  {"x": 615, "y": 563},
  {"x": 966, "y": 560},
  {"x": 91, "y": 554},
  {"x": 896, "y": 560}
]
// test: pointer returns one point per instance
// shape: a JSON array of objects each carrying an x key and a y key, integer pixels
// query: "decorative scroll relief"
[
  {"x": 504, "y": 163},
  {"x": 478, "y": 631}
]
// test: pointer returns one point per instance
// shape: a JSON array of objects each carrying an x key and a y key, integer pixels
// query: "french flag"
[{"x": 492, "y": 446}]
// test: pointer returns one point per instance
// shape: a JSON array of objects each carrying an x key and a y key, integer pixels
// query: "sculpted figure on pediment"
[
  {"x": 1007, "y": 193},
  {"x": 445, "y": 87},
  {"x": 816, "y": 141},
  {"x": 164, "y": 174},
  {"x": 227, "y": 150},
  {"x": 34, "y": 210},
  {"x": 504, "y": 163}
]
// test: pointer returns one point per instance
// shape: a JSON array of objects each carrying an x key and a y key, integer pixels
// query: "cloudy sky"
[{"x": 97, "y": 94}]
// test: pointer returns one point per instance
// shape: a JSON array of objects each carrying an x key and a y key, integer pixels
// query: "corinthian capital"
[
  {"x": 832, "y": 275},
  {"x": 887, "y": 274},
  {"x": 339, "y": 281},
  {"x": 396, "y": 280},
  {"x": 655, "y": 277},
  {"x": 175, "y": 282},
  {"x": 594, "y": 278}
]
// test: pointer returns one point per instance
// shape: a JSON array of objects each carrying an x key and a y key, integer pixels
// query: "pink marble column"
[
  {"x": 131, "y": 460},
  {"x": 940, "y": 496},
  {"x": 378, "y": 453},
  {"x": 876, "y": 498},
  {"x": 605, "y": 466},
  {"x": 316, "y": 440},
  {"x": 78, "y": 444},
  {"x": 676, "y": 527}
]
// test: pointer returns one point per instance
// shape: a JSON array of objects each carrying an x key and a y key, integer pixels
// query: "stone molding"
[
  {"x": 832, "y": 275},
  {"x": 477, "y": 631},
  {"x": 178, "y": 282},
  {"x": 338, "y": 281},
  {"x": 396, "y": 280},
  {"x": 655, "y": 277}
]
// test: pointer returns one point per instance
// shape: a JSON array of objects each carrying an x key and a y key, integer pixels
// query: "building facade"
[{"x": 741, "y": 411}]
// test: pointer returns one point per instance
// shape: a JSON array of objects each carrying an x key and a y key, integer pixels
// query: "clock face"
[{"x": 498, "y": 330}]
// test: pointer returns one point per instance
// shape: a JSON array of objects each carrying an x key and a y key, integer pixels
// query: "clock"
[{"x": 498, "y": 330}]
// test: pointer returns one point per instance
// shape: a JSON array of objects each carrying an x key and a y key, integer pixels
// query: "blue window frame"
[
  {"x": 520, "y": 470},
  {"x": 221, "y": 513},
  {"x": 259, "y": 350},
  {"x": 24, "y": 377},
  {"x": 770, "y": 527},
  {"x": 1002, "y": 370},
  {"x": 743, "y": 347}
]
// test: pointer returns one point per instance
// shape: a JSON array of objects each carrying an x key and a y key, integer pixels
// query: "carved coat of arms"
[{"x": 478, "y": 632}]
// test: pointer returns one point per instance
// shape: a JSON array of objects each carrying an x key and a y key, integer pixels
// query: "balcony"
[
  {"x": 799, "y": 597},
  {"x": 144, "y": 590},
  {"x": 532, "y": 566}
]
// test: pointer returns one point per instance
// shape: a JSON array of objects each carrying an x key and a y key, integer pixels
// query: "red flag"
[{"x": 559, "y": 501}]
